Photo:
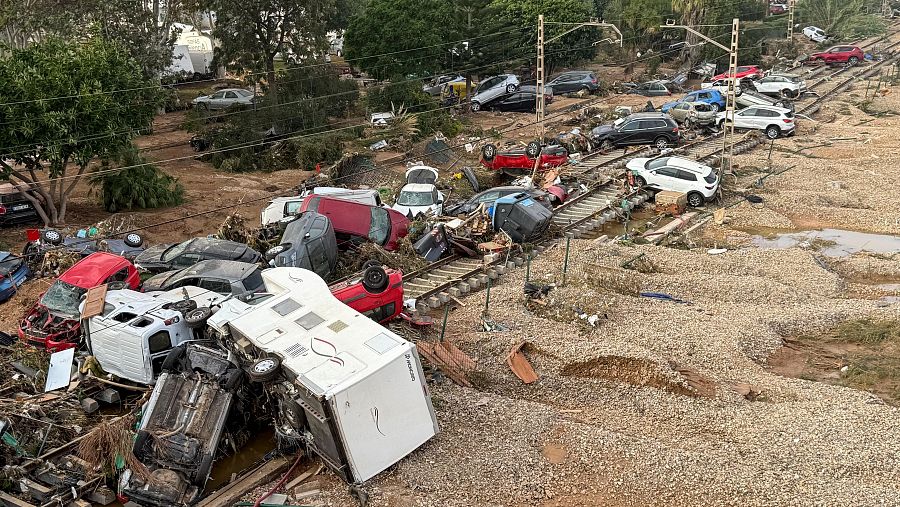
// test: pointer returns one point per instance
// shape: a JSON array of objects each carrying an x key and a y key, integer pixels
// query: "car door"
[
  {"x": 663, "y": 179},
  {"x": 215, "y": 100},
  {"x": 685, "y": 180},
  {"x": 230, "y": 99},
  {"x": 628, "y": 133},
  {"x": 743, "y": 119}
]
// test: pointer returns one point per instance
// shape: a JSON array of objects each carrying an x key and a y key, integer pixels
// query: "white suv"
[
  {"x": 815, "y": 34},
  {"x": 780, "y": 86},
  {"x": 676, "y": 174},
  {"x": 774, "y": 121},
  {"x": 494, "y": 87}
]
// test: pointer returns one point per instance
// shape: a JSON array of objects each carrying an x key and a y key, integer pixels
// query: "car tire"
[
  {"x": 173, "y": 358},
  {"x": 197, "y": 317},
  {"x": 371, "y": 262},
  {"x": 264, "y": 369},
  {"x": 475, "y": 107},
  {"x": 789, "y": 94},
  {"x": 738, "y": 91},
  {"x": 772, "y": 132},
  {"x": 640, "y": 181},
  {"x": 607, "y": 146},
  {"x": 695, "y": 199},
  {"x": 183, "y": 305},
  {"x": 52, "y": 236},
  {"x": 715, "y": 107},
  {"x": 721, "y": 124},
  {"x": 852, "y": 61},
  {"x": 661, "y": 143},
  {"x": 511, "y": 88},
  {"x": 134, "y": 240},
  {"x": 375, "y": 279},
  {"x": 488, "y": 152},
  {"x": 533, "y": 150}
]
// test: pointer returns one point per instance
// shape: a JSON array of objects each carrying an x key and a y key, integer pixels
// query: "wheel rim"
[
  {"x": 195, "y": 314},
  {"x": 133, "y": 238},
  {"x": 662, "y": 144},
  {"x": 714, "y": 107},
  {"x": 475, "y": 106},
  {"x": 52, "y": 235},
  {"x": 264, "y": 366},
  {"x": 772, "y": 133},
  {"x": 694, "y": 200}
]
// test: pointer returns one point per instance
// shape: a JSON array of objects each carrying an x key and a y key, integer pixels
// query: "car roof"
[
  {"x": 234, "y": 270},
  {"x": 4, "y": 255},
  {"x": 93, "y": 269},
  {"x": 309, "y": 225},
  {"x": 687, "y": 164},
  {"x": 654, "y": 115},
  {"x": 772, "y": 108}
]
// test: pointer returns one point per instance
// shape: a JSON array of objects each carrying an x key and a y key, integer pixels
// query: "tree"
[
  {"x": 142, "y": 185},
  {"x": 62, "y": 105},
  {"x": 254, "y": 32},
  {"x": 843, "y": 19}
]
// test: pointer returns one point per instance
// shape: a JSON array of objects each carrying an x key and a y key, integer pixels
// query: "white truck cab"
[
  {"x": 136, "y": 330},
  {"x": 348, "y": 388}
]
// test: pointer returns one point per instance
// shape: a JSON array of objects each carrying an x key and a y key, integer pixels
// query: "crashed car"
[
  {"x": 15, "y": 208},
  {"x": 377, "y": 292},
  {"x": 13, "y": 273},
  {"x": 134, "y": 334},
  {"x": 83, "y": 243},
  {"x": 355, "y": 223},
  {"x": 742, "y": 72},
  {"x": 420, "y": 196},
  {"x": 346, "y": 388},
  {"x": 222, "y": 277},
  {"x": 658, "y": 129},
  {"x": 486, "y": 199},
  {"x": 690, "y": 114},
  {"x": 182, "y": 425},
  {"x": 54, "y": 321},
  {"x": 281, "y": 207},
  {"x": 166, "y": 257},
  {"x": 518, "y": 162},
  {"x": 308, "y": 242},
  {"x": 521, "y": 217}
]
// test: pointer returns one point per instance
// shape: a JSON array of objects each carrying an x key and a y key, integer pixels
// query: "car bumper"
[
  {"x": 51, "y": 343},
  {"x": 10, "y": 285}
]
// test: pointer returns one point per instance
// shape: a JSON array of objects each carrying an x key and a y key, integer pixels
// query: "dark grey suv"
[
  {"x": 658, "y": 129},
  {"x": 575, "y": 81}
]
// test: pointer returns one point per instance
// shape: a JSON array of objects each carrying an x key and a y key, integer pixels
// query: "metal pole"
[
  {"x": 735, "y": 25},
  {"x": 487, "y": 298},
  {"x": 566, "y": 261},
  {"x": 528, "y": 268},
  {"x": 444, "y": 325},
  {"x": 539, "y": 107},
  {"x": 790, "y": 30}
]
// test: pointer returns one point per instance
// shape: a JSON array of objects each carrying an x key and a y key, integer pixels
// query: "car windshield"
[
  {"x": 9, "y": 265},
  {"x": 410, "y": 198},
  {"x": 174, "y": 251},
  {"x": 63, "y": 298},
  {"x": 657, "y": 163},
  {"x": 618, "y": 123}
]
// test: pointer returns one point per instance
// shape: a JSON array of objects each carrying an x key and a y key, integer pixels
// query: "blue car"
[
  {"x": 712, "y": 97},
  {"x": 13, "y": 272}
]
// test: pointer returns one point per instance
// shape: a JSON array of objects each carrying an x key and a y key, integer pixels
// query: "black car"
[
  {"x": 223, "y": 277},
  {"x": 652, "y": 89},
  {"x": 489, "y": 196},
  {"x": 575, "y": 81},
  {"x": 523, "y": 101},
  {"x": 308, "y": 242},
  {"x": 14, "y": 207},
  {"x": 658, "y": 129},
  {"x": 166, "y": 257}
]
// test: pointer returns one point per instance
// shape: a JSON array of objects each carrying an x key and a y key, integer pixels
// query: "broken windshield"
[
  {"x": 409, "y": 198},
  {"x": 63, "y": 298},
  {"x": 174, "y": 251}
]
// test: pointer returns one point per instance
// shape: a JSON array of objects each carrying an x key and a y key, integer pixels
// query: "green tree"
[
  {"x": 142, "y": 185},
  {"x": 843, "y": 19},
  {"x": 254, "y": 32},
  {"x": 62, "y": 105}
]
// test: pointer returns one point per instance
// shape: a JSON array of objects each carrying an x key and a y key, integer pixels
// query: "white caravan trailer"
[{"x": 349, "y": 389}]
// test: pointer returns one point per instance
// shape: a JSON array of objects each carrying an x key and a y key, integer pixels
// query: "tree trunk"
[{"x": 270, "y": 78}]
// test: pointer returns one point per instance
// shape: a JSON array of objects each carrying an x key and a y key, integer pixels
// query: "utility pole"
[
  {"x": 790, "y": 30},
  {"x": 886, "y": 10},
  {"x": 728, "y": 131},
  {"x": 541, "y": 77}
]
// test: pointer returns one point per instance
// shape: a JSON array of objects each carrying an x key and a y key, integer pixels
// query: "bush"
[{"x": 141, "y": 186}]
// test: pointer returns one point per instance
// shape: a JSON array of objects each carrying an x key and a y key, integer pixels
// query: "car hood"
[
  {"x": 602, "y": 130},
  {"x": 668, "y": 105},
  {"x": 157, "y": 282},
  {"x": 152, "y": 255},
  {"x": 636, "y": 164}
]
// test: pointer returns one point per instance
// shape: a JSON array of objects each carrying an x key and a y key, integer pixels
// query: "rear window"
[
  {"x": 789, "y": 114},
  {"x": 710, "y": 178}
]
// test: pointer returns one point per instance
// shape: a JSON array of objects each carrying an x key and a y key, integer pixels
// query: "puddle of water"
[
  {"x": 262, "y": 442},
  {"x": 833, "y": 242}
]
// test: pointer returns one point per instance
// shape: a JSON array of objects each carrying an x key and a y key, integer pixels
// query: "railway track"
[{"x": 455, "y": 276}]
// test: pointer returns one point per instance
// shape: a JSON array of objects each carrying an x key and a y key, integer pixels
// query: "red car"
[
  {"x": 353, "y": 221},
  {"x": 744, "y": 71},
  {"x": 54, "y": 322},
  {"x": 522, "y": 161},
  {"x": 778, "y": 9},
  {"x": 851, "y": 55},
  {"x": 377, "y": 294}
]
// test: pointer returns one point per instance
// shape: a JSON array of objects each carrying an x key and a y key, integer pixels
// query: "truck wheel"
[
  {"x": 533, "y": 150},
  {"x": 265, "y": 369},
  {"x": 488, "y": 152},
  {"x": 173, "y": 358},
  {"x": 375, "y": 279},
  {"x": 197, "y": 317},
  {"x": 52, "y": 236},
  {"x": 134, "y": 240}
]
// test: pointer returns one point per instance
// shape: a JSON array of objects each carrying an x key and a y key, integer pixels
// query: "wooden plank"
[
  {"x": 233, "y": 491},
  {"x": 461, "y": 357},
  {"x": 520, "y": 365},
  {"x": 94, "y": 301}
]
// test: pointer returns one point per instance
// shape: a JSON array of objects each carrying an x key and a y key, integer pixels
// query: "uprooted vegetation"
[{"x": 861, "y": 353}]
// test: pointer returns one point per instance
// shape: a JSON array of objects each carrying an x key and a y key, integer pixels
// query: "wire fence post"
[
  {"x": 566, "y": 260},
  {"x": 444, "y": 325},
  {"x": 487, "y": 297},
  {"x": 528, "y": 268}
]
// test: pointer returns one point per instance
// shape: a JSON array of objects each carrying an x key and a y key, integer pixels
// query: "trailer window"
[{"x": 159, "y": 342}]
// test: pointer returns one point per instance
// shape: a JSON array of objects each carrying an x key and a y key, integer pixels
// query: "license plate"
[{"x": 20, "y": 207}]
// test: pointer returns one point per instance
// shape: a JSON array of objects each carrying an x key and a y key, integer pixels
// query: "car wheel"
[
  {"x": 789, "y": 94},
  {"x": 533, "y": 150},
  {"x": 134, "y": 240},
  {"x": 772, "y": 132},
  {"x": 640, "y": 181},
  {"x": 371, "y": 262},
  {"x": 264, "y": 370},
  {"x": 852, "y": 61},
  {"x": 661, "y": 143},
  {"x": 182, "y": 305},
  {"x": 721, "y": 124},
  {"x": 375, "y": 279},
  {"x": 738, "y": 91},
  {"x": 695, "y": 199},
  {"x": 488, "y": 152},
  {"x": 715, "y": 107},
  {"x": 197, "y": 317},
  {"x": 476, "y": 107},
  {"x": 607, "y": 146},
  {"x": 510, "y": 88},
  {"x": 52, "y": 236}
]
